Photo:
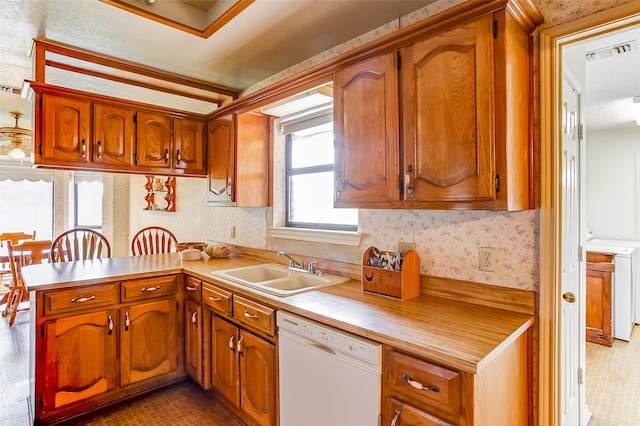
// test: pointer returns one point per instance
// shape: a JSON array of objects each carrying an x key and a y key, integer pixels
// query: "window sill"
[{"x": 344, "y": 238}]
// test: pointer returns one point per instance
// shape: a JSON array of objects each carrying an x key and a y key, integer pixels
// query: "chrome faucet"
[
  {"x": 312, "y": 270},
  {"x": 295, "y": 264}
]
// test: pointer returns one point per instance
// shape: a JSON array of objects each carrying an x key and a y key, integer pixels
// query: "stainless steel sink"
[{"x": 278, "y": 279}]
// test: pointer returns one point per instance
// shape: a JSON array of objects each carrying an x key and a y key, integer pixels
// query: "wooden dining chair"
[
  {"x": 80, "y": 244},
  {"x": 22, "y": 254},
  {"x": 15, "y": 238},
  {"x": 152, "y": 240}
]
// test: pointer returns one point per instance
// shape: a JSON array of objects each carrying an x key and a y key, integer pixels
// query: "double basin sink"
[{"x": 278, "y": 279}]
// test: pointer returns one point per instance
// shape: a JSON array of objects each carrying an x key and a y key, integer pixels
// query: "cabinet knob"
[{"x": 569, "y": 297}]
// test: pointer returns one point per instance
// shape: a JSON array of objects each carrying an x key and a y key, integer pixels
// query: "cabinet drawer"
[
  {"x": 403, "y": 414},
  {"x": 80, "y": 298},
  {"x": 420, "y": 381},
  {"x": 148, "y": 287},
  {"x": 192, "y": 288},
  {"x": 254, "y": 315},
  {"x": 217, "y": 299}
]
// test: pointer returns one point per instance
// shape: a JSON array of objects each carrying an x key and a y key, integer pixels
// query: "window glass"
[
  {"x": 310, "y": 181},
  {"x": 88, "y": 205},
  {"x": 27, "y": 206}
]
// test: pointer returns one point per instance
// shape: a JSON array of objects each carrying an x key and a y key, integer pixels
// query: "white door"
[{"x": 570, "y": 228}]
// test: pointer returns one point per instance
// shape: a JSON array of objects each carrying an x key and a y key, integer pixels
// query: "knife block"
[{"x": 404, "y": 284}]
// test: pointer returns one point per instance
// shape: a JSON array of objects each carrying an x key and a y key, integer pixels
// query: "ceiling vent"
[{"x": 611, "y": 51}]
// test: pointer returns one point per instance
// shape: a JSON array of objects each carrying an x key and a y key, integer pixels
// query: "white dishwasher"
[{"x": 327, "y": 376}]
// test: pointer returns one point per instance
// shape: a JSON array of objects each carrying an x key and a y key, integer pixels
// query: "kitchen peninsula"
[{"x": 474, "y": 341}]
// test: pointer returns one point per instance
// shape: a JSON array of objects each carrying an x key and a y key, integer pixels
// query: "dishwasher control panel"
[{"x": 329, "y": 337}]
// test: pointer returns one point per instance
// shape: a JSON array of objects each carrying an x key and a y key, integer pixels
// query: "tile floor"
[{"x": 613, "y": 382}]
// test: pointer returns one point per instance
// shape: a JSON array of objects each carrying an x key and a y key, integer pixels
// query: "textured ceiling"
[{"x": 611, "y": 83}]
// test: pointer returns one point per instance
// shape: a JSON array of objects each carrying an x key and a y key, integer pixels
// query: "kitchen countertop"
[{"x": 458, "y": 333}]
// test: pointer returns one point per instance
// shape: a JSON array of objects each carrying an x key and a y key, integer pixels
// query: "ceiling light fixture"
[
  {"x": 15, "y": 135},
  {"x": 636, "y": 109}
]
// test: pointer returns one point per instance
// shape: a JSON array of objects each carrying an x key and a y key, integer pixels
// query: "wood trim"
[
  {"x": 220, "y": 22},
  {"x": 509, "y": 299},
  {"x": 106, "y": 76},
  {"x": 551, "y": 41},
  {"x": 43, "y": 45}
]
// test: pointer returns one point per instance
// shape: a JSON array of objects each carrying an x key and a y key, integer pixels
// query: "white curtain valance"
[
  {"x": 19, "y": 173},
  {"x": 79, "y": 177}
]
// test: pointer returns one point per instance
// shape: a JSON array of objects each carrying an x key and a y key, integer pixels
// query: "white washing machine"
[{"x": 626, "y": 283}]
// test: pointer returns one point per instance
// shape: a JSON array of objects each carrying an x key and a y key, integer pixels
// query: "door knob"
[{"x": 569, "y": 297}]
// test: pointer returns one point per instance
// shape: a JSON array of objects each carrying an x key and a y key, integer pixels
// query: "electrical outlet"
[
  {"x": 232, "y": 232},
  {"x": 487, "y": 259}
]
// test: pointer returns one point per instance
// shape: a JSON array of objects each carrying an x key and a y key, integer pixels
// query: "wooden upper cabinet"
[
  {"x": 221, "y": 160},
  {"x": 66, "y": 130},
  {"x": 447, "y": 115},
  {"x": 114, "y": 133},
  {"x": 154, "y": 140},
  {"x": 189, "y": 146},
  {"x": 366, "y": 132},
  {"x": 253, "y": 144}
]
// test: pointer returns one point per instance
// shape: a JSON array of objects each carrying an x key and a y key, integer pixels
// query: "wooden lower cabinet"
[
  {"x": 243, "y": 370},
  {"x": 419, "y": 391},
  {"x": 80, "y": 358},
  {"x": 193, "y": 337},
  {"x": 148, "y": 340},
  {"x": 92, "y": 348},
  {"x": 599, "y": 295}
]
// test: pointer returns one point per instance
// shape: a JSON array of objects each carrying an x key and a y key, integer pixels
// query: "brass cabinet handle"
[
  {"x": 419, "y": 385},
  {"x": 82, "y": 299},
  {"x": 110, "y": 326},
  {"x": 239, "y": 347},
  {"x": 166, "y": 156},
  {"x": 214, "y": 299},
  {"x": 178, "y": 157},
  {"x": 99, "y": 149},
  {"x": 149, "y": 289},
  {"x": 127, "y": 321},
  {"x": 569, "y": 297},
  {"x": 407, "y": 180},
  {"x": 194, "y": 318},
  {"x": 83, "y": 148},
  {"x": 191, "y": 288},
  {"x": 396, "y": 416},
  {"x": 248, "y": 315}
]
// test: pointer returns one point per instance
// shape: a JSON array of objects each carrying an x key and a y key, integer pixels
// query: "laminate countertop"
[{"x": 448, "y": 323}]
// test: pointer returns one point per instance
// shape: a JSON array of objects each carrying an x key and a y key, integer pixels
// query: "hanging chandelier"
[{"x": 14, "y": 137}]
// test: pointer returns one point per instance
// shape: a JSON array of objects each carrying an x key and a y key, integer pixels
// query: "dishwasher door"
[{"x": 320, "y": 386}]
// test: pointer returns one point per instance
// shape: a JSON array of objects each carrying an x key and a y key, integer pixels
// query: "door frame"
[{"x": 551, "y": 42}]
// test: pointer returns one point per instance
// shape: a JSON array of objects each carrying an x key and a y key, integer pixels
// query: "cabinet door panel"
[
  {"x": 408, "y": 415},
  {"x": 148, "y": 340},
  {"x": 193, "y": 340},
  {"x": 224, "y": 359},
  {"x": 189, "y": 145},
  {"x": 80, "y": 358},
  {"x": 366, "y": 132},
  {"x": 154, "y": 140},
  {"x": 448, "y": 120},
  {"x": 114, "y": 131},
  {"x": 66, "y": 129},
  {"x": 257, "y": 378},
  {"x": 252, "y": 162},
  {"x": 221, "y": 159}
]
